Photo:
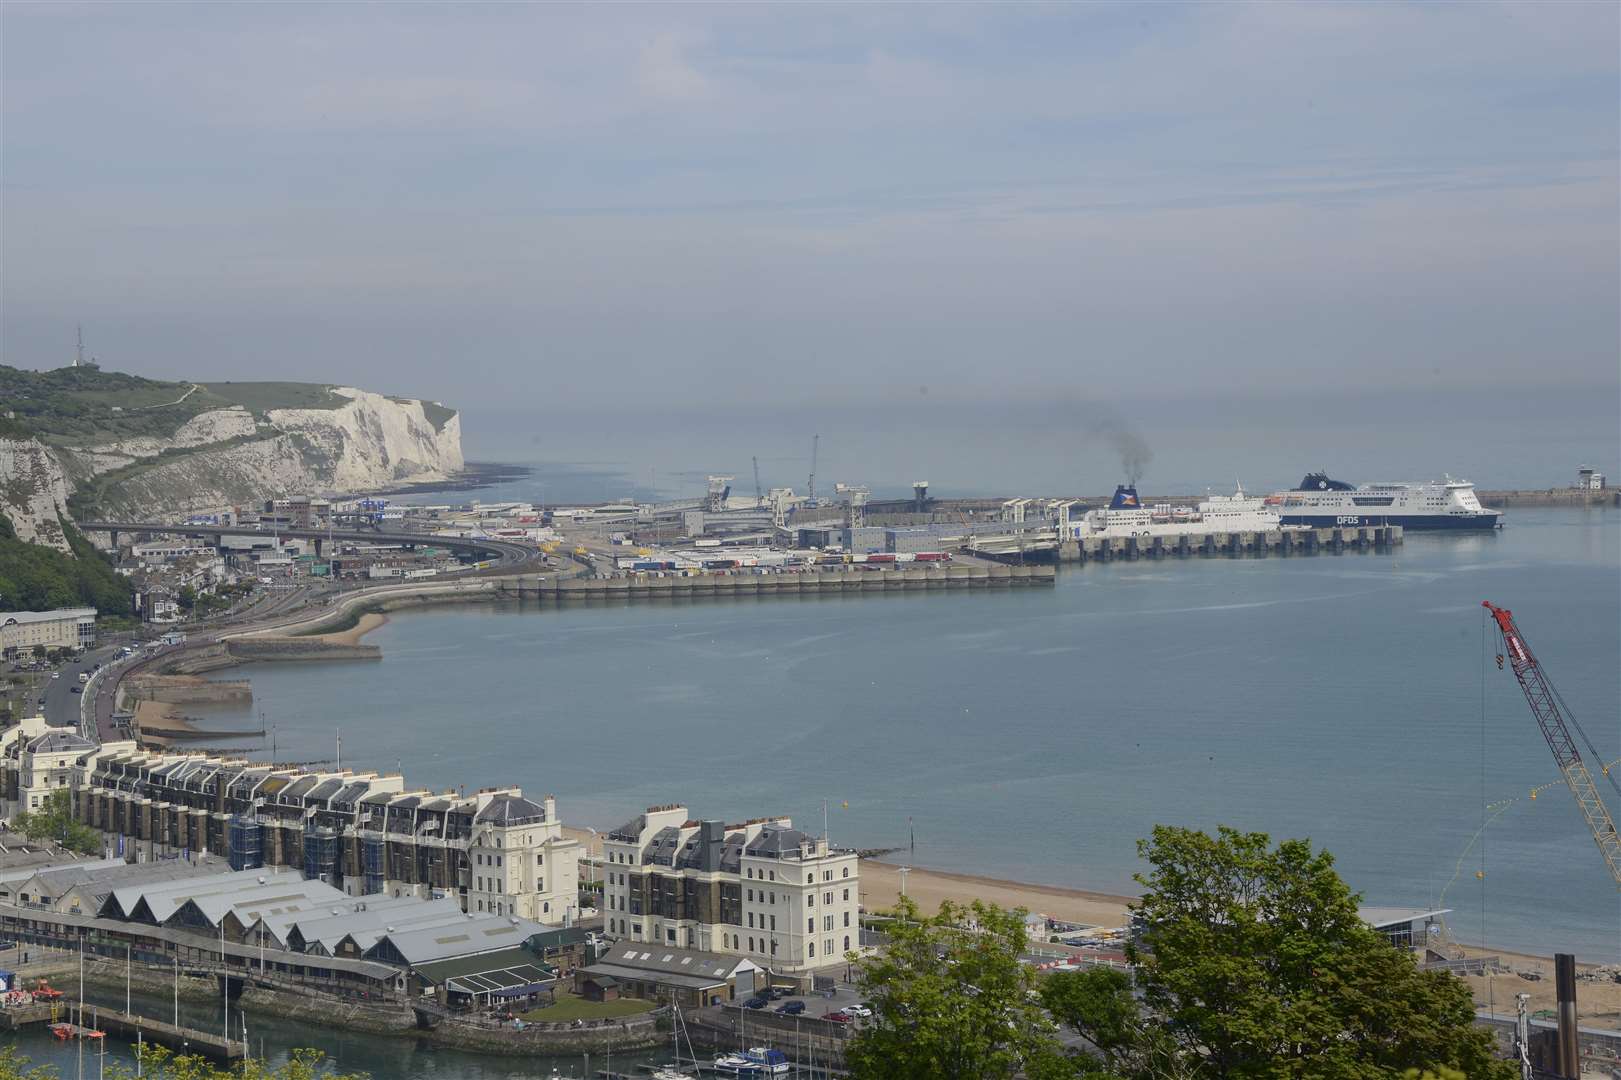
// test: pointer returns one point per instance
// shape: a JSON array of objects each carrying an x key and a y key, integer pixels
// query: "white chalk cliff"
[{"x": 230, "y": 457}]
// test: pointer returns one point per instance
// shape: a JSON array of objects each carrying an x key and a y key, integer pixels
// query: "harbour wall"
[
  {"x": 1603, "y": 497},
  {"x": 810, "y": 583},
  {"x": 1262, "y": 542}
]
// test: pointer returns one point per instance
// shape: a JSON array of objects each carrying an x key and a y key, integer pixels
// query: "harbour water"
[{"x": 1037, "y": 734}]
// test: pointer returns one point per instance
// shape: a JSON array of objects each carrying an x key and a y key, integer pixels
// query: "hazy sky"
[{"x": 504, "y": 204}]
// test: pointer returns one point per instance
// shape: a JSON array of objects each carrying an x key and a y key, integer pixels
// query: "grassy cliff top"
[{"x": 87, "y": 405}]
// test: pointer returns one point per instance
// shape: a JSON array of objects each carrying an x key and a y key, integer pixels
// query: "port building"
[
  {"x": 785, "y": 900},
  {"x": 63, "y": 628}
]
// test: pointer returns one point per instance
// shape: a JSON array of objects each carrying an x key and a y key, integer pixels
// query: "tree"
[
  {"x": 162, "y": 1064},
  {"x": 951, "y": 999},
  {"x": 1256, "y": 964},
  {"x": 54, "y": 821}
]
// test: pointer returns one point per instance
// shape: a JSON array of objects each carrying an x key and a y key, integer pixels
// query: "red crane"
[{"x": 1550, "y": 711}]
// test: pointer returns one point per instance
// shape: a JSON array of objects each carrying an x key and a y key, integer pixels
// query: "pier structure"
[
  {"x": 825, "y": 582},
  {"x": 1262, "y": 542}
]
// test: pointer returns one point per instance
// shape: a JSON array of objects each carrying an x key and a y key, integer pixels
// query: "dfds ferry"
[{"x": 1435, "y": 504}]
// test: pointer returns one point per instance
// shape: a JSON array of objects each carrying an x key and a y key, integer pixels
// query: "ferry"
[
  {"x": 1126, "y": 516},
  {"x": 1434, "y": 504}
]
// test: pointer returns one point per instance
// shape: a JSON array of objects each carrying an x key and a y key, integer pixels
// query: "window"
[
  {"x": 813, "y": 948},
  {"x": 810, "y": 879},
  {"x": 540, "y": 860},
  {"x": 827, "y": 898},
  {"x": 669, "y": 935},
  {"x": 481, "y": 905},
  {"x": 498, "y": 858},
  {"x": 846, "y": 942},
  {"x": 480, "y": 883},
  {"x": 810, "y": 899},
  {"x": 827, "y": 922},
  {"x": 773, "y": 946},
  {"x": 773, "y": 874},
  {"x": 751, "y": 871},
  {"x": 828, "y": 947},
  {"x": 827, "y": 875},
  {"x": 751, "y": 944},
  {"x": 751, "y": 920},
  {"x": 773, "y": 898},
  {"x": 846, "y": 918},
  {"x": 546, "y": 908},
  {"x": 846, "y": 871},
  {"x": 751, "y": 896},
  {"x": 846, "y": 896},
  {"x": 773, "y": 922},
  {"x": 810, "y": 925}
]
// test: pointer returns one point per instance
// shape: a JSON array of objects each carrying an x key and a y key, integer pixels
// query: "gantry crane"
[{"x": 1550, "y": 711}]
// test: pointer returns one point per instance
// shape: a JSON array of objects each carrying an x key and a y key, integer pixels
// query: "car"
[
  {"x": 838, "y": 1016},
  {"x": 791, "y": 1008},
  {"x": 78, "y": 689},
  {"x": 859, "y": 1011},
  {"x": 758, "y": 1001},
  {"x": 56, "y": 674},
  {"x": 777, "y": 993}
]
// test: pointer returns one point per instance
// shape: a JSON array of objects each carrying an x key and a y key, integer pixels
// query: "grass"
[
  {"x": 261, "y": 397},
  {"x": 569, "y": 1008}
]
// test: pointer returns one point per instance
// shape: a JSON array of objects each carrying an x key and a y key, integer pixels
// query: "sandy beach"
[
  {"x": 880, "y": 887},
  {"x": 369, "y": 621}
]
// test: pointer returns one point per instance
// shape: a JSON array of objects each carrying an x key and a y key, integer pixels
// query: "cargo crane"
[
  {"x": 810, "y": 493},
  {"x": 1551, "y": 712},
  {"x": 759, "y": 496}
]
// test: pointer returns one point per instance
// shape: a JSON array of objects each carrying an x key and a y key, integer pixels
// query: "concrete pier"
[
  {"x": 812, "y": 583},
  {"x": 1266, "y": 542}
]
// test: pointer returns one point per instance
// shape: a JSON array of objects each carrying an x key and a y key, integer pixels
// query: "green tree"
[
  {"x": 1257, "y": 966},
  {"x": 54, "y": 821},
  {"x": 162, "y": 1064},
  {"x": 952, "y": 1001}
]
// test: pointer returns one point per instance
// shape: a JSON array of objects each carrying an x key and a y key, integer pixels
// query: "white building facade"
[
  {"x": 786, "y": 900},
  {"x": 64, "y": 628}
]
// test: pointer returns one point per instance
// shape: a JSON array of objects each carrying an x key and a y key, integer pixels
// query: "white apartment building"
[
  {"x": 64, "y": 628},
  {"x": 788, "y": 901},
  {"x": 37, "y": 759}
]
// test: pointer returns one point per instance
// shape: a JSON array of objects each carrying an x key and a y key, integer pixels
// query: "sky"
[{"x": 676, "y": 209}]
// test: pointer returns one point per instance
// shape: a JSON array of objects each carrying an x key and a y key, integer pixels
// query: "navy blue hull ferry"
[{"x": 1434, "y": 504}]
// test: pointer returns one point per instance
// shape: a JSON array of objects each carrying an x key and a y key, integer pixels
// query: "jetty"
[{"x": 104, "y": 1022}]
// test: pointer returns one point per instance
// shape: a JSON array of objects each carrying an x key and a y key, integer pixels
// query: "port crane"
[
  {"x": 759, "y": 496},
  {"x": 810, "y": 495},
  {"x": 1551, "y": 712}
]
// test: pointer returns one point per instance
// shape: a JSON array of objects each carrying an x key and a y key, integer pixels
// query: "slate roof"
[
  {"x": 511, "y": 810},
  {"x": 53, "y": 742},
  {"x": 774, "y": 842}
]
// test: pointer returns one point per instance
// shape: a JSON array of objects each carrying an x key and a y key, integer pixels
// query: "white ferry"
[
  {"x": 1125, "y": 516},
  {"x": 1435, "y": 504}
]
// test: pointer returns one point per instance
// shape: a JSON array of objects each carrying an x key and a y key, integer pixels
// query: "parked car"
[
  {"x": 791, "y": 1008},
  {"x": 777, "y": 993},
  {"x": 838, "y": 1017},
  {"x": 861, "y": 1011},
  {"x": 78, "y": 689},
  {"x": 758, "y": 1001}
]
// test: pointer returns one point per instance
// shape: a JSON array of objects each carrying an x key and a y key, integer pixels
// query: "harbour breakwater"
[
  {"x": 1263, "y": 542},
  {"x": 806, "y": 583}
]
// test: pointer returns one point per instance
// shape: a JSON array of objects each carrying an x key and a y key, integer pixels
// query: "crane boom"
[
  {"x": 1544, "y": 702},
  {"x": 816, "y": 444},
  {"x": 759, "y": 496}
]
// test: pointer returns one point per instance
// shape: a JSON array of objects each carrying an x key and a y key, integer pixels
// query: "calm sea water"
[{"x": 1038, "y": 734}]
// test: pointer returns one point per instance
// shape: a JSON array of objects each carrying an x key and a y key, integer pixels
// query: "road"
[{"x": 61, "y": 703}]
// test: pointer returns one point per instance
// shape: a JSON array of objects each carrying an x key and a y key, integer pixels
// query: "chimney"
[
  {"x": 711, "y": 839},
  {"x": 1567, "y": 1061},
  {"x": 551, "y": 808}
]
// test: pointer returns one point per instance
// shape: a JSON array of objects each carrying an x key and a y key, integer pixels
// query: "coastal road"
[
  {"x": 61, "y": 703},
  {"x": 508, "y": 556}
]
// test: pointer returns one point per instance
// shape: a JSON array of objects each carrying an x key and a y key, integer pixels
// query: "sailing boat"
[{"x": 673, "y": 1071}]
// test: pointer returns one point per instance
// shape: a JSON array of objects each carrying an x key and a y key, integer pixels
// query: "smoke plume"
[{"x": 1103, "y": 422}]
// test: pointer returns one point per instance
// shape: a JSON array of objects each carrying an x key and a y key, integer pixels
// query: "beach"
[{"x": 367, "y": 622}]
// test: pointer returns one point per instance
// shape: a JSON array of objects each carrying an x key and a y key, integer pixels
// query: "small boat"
[
  {"x": 734, "y": 1064},
  {"x": 670, "y": 1072},
  {"x": 766, "y": 1061}
]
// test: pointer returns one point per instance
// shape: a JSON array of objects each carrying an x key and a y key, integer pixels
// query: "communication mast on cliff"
[{"x": 78, "y": 357}]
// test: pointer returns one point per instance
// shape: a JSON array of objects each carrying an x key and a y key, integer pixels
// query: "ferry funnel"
[{"x": 1125, "y": 498}]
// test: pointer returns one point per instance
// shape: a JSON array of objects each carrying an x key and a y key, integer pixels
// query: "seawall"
[{"x": 810, "y": 583}]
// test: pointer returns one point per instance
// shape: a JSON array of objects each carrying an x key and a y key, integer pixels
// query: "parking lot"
[{"x": 816, "y": 1005}]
